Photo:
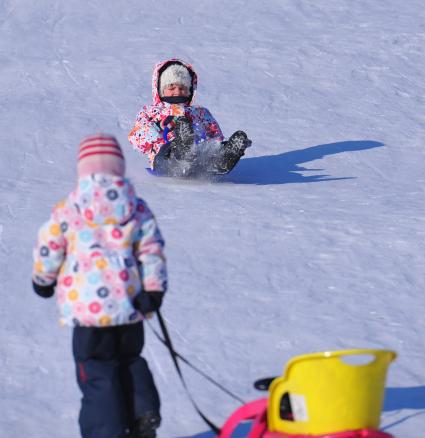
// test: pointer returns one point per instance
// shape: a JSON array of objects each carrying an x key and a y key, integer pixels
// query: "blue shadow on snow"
[
  {"x": 283, "y": 168},
  {"x": 404, "y": 398},
  {"x": 397, "y": 399},
  {"x": 241, "y": 432}
]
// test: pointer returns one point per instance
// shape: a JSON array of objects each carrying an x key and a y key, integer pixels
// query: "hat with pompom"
[
  {"x": 100, "y": 153},
  {"x": 175, "y": 74}
]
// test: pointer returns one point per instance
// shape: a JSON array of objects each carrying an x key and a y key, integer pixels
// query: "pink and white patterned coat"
[
  {"x": 148, "y": 135},
  {"x": 101, "y": 245}
]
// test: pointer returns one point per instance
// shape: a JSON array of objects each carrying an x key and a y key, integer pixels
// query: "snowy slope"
[{"x": 315, "y": 241}]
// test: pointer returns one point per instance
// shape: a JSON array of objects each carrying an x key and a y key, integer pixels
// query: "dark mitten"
[
  {"x": 44, "y": 291},
  {"x": 147, "y": 302},
  {"x": 184, "y": 130},
  {"x": 184, "y": 138}
]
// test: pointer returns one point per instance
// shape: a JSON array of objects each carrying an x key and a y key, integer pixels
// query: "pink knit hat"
[{"x": 100, "y": 153}]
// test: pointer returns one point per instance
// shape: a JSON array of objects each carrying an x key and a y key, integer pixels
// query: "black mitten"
[
  {"x": 184, "y": 139},
  {"x": 147, "y": 302},
  {"x": 44, "y": 291},
  {"x": 184, "y": 130}
]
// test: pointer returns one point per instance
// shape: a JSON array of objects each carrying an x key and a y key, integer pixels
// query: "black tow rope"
[{"x": 175, "y": 356}]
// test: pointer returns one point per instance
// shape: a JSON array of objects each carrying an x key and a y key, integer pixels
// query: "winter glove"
[
  {"x": 44, "y": 291},
  {"x": 147, "y": 302}
]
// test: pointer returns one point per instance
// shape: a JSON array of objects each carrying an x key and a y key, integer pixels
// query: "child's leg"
[
  {"x": 166, "y": 163},
  {"x": 163, "y": 161},
  {"x": 103, "y": 413},
  {"x": 231, "y": 151},
  {"x": 141, "y": 393}
]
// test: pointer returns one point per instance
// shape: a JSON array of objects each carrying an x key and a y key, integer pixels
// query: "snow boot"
[
  {"x": 182, "y": 145},
  {"x": 231, "y": 152},
  {"x": 146, "y": 425}
]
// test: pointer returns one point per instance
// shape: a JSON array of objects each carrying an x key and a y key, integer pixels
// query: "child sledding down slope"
[
  {"x": 101, "y": 252},
  {"x": 179, "y": 138}
]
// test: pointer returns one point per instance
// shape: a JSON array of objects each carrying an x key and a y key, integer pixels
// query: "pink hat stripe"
[
  {"x": 88, "y": 154},
  {"x": 97, "y": 140},
  {"x": 100, "y": 153},
  {"x": 96, "y": 143},
  {"x": 99, "y": 137},
  {"x": 100, "y": 147}
]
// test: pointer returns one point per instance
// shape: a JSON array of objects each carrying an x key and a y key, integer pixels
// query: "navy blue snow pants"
[{"x": 116, "y": 382}]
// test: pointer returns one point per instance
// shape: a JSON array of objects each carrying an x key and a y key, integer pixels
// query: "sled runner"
[{"x": 320, "y": 395}]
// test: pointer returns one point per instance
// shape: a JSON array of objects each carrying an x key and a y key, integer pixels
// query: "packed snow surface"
[{"x": 314, "y": 242}]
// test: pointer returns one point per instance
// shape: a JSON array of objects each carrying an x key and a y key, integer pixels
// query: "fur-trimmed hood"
[{"x": 160, "y": 67}]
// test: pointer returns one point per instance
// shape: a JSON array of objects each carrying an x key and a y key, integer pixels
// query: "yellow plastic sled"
[{"x": 333, "y": 394}]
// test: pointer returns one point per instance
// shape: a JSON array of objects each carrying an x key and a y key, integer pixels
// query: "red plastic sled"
[{"x": 256, "y": 411}]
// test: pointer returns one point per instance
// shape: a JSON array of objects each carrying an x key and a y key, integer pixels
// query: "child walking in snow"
[
  {"x": 101, "y": 251},
  {"x": 176, "y": 135}
]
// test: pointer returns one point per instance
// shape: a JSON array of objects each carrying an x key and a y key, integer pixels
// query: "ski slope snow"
[{"x": 314, "y": 242}]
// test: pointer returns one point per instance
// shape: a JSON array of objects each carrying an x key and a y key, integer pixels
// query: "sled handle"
[
  {"x": 165, "y": 134},
  {"x": 263, "y": 384},
  {"x": 255, "y": 410}
]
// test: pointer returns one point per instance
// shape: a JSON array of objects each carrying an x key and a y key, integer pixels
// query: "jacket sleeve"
[
  {"x": 206, "y": 125},
  {"x": 213, "y": 128},
  {"x": 49, "y": 252},
  {"x": 146, "y": 135},
  {"x": 149, "y": 251}
]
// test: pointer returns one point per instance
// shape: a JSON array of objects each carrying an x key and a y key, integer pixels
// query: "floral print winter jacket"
[
  {"x": 148, "y": 132},
  {"x": 102, "y": 246}
]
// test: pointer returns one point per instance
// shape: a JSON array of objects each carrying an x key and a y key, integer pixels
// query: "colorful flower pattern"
[
  {"x": 101, "y": 245},
  {"x": 147, "y": 134}
]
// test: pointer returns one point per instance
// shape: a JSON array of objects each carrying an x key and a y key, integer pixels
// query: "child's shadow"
[
  {"x": 404, "y": 398},
  {"x": 283, "y": 168}
]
